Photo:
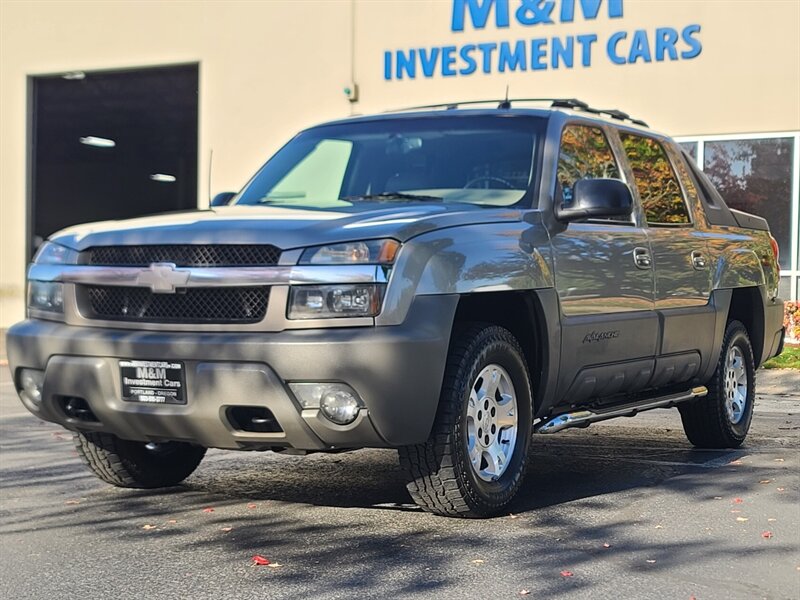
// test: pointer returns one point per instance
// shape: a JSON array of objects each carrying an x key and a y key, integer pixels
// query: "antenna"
[
  {"x": 210, "y": 157},
  {"x": 505, "y": 104}
]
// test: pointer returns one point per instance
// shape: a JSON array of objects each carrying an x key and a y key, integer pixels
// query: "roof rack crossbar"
[{"x": 505, "y": 103}]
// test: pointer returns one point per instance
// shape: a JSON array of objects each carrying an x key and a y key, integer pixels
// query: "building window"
[{"x": 758, "y": 173}]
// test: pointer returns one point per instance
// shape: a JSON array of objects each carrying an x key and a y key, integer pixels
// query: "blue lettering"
[
  {"x": 466, "y": 55},
  {"x": 512, "y": 60},
  {"x": 562, "y": 52},
  {"x": 487, "y": 49},
  {"x": 695, "y": 47},
  {"x": 479, "y": 11},
  {"x": 387, "y": 65},
  {"x": 590, "y": 9},
  {"x": 448, "y": 59},
  {"x": 586, "y": 42},
  {"x": 406, "y": 63},
  {"x": 538, "y": 54},
  {"x": 428, "y": 60},
  {"x": 640, "y": 47},
  {"x": 611, "y": 47},
  {"x": 666, "y": 38},
  {"x": 533, "y": 12}
]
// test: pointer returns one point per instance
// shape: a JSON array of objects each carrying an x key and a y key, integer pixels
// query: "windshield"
[{"x": 486, "y": 161}]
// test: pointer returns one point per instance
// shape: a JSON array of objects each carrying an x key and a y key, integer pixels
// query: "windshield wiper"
[{"x": 386, "y": 196}]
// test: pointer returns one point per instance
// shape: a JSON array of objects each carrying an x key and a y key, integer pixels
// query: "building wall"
[{"x": 270, "y": 68}]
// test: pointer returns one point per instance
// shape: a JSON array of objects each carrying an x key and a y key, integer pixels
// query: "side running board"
[{"x": 584, "y": 418}]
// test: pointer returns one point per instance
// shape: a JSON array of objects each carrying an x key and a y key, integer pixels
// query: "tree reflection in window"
[
  {"x": 658, "y": 187},
  {"x": 585, "y": 154}
]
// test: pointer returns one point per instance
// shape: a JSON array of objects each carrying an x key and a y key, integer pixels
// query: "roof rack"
[{"x": 505, "y": 103}]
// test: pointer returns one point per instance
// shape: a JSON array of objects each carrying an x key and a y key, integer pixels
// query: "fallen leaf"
[
  {"x": 742, "y": 519},
  {"x": 259, "y": 560},
  {"x": 148, "y": 527},
  {"x": 717, "y": 497},
  {"x": 781, "y": 489},
  {"x": 72, "y": 502},
  {"x": 735, "y": 510},
  {"x": 765, "y": 481},
  {"x": 737, "y": 500},
  {"x": 779, "y": 460},
  {"x": 477, "y": 561},
  {"x": 735, "y": 462},
  {"x": 606, "y": 545},
  {"x": 226, "y": 529},
  {"x": 208, "y": 510},
  {"x": 771, "y": 520},
  {"x": 251, "y": 505},
  {"x": 567, "y": 573},
  {"x": 274, "y": 565},
  {"x": 650, "y": 560},
  {"x": 524, "y": 592},
  {"x": 514, "y": 517},
  {"x": 173, "y": 521},
  {"x": 659, "y": 527},
  {"x": 766, "y": 535}
]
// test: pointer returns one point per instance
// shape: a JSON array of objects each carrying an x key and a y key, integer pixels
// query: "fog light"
[
  {"x": 30, "y": 381},
  {"x": 337, "y": 401}
]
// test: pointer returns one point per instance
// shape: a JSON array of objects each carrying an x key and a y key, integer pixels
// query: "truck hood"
[{"x": 283, "y": 227}]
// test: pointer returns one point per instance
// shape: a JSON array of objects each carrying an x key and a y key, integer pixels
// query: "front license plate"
[{"x": 153, "y": 381}]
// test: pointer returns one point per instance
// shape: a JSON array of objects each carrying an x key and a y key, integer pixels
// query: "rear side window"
[
  {"x": 658, "y": 186},
  {"x": 584, "y": 154}
]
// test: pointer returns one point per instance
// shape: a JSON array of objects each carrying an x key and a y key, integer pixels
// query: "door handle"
[
  {"x": 641, "y": 257},
  {"x": 698, "y": 260}
]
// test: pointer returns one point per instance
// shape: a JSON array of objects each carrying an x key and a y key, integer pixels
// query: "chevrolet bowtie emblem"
[{"x": 163, "y": 278}]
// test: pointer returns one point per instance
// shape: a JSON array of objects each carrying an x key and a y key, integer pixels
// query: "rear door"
[
  {"x": 603, "y": 280},
  {"x": 680, "y": 256}
]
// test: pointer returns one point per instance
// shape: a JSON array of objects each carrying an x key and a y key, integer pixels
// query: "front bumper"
[{"x": 397, "y": 371}]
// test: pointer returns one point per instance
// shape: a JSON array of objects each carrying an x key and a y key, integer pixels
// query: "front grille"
[
  {"x": 189, "y": 305},
  {"x": 184, "y": 255}
]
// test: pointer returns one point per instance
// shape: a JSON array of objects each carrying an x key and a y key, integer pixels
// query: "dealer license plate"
[{"x": 153, "y": 381}]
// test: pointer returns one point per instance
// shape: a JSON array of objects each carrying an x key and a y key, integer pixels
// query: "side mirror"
[
  {"x": 223, "y": 199},
  {"x": 597, "y": 198}
]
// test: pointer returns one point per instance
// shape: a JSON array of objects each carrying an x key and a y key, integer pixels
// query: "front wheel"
[
  {"x": 722, "y": 418},
  {"x": 475, "y": 458},
  {"x": 124, "y": 463}
]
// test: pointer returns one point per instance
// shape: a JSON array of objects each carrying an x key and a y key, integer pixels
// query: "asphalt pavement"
[{"x": 626, "y": 509}]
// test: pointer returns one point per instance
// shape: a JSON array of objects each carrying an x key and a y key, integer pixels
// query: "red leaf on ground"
[
  {"x": 251, "y": 505},
  {"x": 209, "y": 509},
  {"x": 737, "y": 500},
  {"x": 766, "y": 535},
  {"x": 567, "y": 573},
  {"x": 260, "y": 560}
]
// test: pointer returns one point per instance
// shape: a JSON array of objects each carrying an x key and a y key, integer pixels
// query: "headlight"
[
  {"x": 332, "y": 301},
  {"x": 370, "y": 252},
  {"x": 46, "y": 295},
  {"x": 51, "y": 253}
]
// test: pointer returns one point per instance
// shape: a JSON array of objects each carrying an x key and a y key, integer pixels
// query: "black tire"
[
  {"x": 133, "y": 465},
  {"x": 706, "y": 421},
  {"x": 440, "y": 476}
]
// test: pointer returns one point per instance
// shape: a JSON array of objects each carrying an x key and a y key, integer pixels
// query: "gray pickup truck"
[{"x": 445, "y": 281}]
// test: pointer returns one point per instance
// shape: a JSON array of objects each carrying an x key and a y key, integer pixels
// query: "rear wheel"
[
  {"x": 137, "y": 464},
  {"x": 474, "y": 460},
  {"x": 722, "y": 418}
]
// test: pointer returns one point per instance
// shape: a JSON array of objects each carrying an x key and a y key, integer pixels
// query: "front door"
[{"x": 604, "y": 281}]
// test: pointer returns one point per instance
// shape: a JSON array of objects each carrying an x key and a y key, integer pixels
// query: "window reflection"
[
  {"x": 756, "y": 176},
  {"x": 690, "y": 147}
]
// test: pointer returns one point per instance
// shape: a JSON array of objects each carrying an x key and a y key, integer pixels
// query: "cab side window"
[
  {"x": 655, "y": 179},
  {"x": 584, "y": 154}
]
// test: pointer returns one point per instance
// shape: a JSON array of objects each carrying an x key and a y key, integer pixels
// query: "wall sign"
[{"x": 543, "y": 52}]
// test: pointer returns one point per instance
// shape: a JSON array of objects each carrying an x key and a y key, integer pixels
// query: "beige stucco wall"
[{"x": 269, "y": 68}]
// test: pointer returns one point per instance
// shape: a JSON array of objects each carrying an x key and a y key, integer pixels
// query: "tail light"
[{"x": 775, "y": 249}]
